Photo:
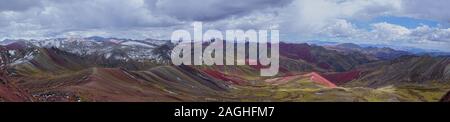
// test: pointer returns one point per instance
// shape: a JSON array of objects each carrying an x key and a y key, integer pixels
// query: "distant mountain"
[
  {"x": 349, "y": 46},
  {"x": 379, "y": 53},
  {"x": 434, "y": 54},
  {"x": 133, "y": 49}
]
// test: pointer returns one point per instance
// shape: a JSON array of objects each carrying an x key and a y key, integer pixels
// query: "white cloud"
[
  {"x": 157, "y": 18},
  {"x": 435, "y": 9},
  {"x": 339, "y": 29},
  {"x": 55, "y": 17},
  {"x": 431, "y": 34},
  {"x": 389, "y": 32},
  {"x": 304, "y": 16}
]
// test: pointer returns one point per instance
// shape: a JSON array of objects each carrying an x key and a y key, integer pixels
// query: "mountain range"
[{"x": 112, "y": 69}]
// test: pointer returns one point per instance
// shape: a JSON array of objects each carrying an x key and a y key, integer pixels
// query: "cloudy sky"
[{"x": 410, "y": 23}]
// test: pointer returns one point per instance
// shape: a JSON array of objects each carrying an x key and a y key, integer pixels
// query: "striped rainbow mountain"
[{"x": 111, "y": 69}]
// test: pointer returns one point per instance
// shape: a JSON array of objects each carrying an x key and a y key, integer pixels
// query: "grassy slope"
[{"x": 303, "y": 90}]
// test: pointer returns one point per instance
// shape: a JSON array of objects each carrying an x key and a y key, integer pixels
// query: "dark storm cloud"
[
  {"x": 114, "y": 14},
  {"x": 86, "y": 14},
  {"x": 99, "y": 14},
  {"x": 18, "y": 5},
  {"x": 210, "y": 10}
]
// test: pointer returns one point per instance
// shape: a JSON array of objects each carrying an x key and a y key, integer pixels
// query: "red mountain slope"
[
  {"x": 316, "y": 77},
  {"x": 12, "y": 94},
  {"x": 342, "y": 77}
]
